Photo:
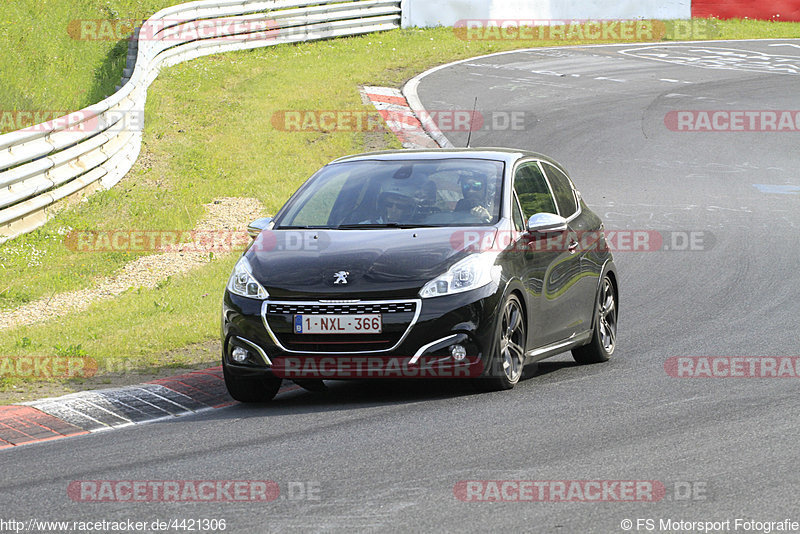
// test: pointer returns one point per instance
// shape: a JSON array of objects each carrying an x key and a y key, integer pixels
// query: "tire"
[
  {"x": 604, "y": 337},
  {"x": 251, "y": 389},
  {"x": 508, "y": 354}
]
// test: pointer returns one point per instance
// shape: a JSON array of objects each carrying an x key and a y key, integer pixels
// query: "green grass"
[
  {"x": 756, "y": 29},
  {"x": 208, "y": 134},
  {"x": 138, "y": 325},
  {"x": 42, "y": 67}
]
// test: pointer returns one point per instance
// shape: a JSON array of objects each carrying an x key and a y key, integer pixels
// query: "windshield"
[{"x": 408, "y": 193}]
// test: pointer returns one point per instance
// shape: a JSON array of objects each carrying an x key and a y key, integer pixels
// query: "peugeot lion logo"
[{"x": 341, "y": 277}]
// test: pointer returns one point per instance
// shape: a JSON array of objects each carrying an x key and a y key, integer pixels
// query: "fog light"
[
  {"x": 458, "y": 352},
  {"x": 239, "y": 355}
]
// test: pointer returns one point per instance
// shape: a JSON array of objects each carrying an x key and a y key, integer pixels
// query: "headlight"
[
  {"x": 242, "y": 282},
  {"x": 470, "y": 273}
]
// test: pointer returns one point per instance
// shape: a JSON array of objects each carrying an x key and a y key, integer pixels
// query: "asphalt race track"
[{"x": 390, "y": 456}]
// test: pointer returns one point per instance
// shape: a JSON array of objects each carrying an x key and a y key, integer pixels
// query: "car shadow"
[
  {"x": 343, "y": 395},
  {"x": 358, "y": 394},
  {"x": 546, "y": 367}
]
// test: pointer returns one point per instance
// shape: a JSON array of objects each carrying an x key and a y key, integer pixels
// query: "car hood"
[{"x": 380, "y": 263}]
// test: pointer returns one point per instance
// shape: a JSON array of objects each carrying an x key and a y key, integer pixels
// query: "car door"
[
  {"x": 569, "y": 282},
  {"x": 540, "y": 252}
]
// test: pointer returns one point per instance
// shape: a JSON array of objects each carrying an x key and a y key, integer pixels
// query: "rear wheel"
[
  {"x": 251, "y": 388},
  {"x": 604, "y": 338},
  {"x": 508, "y": 356}
]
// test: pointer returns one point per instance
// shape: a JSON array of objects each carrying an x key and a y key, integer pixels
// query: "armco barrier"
[{"x": 44, "y": 166}]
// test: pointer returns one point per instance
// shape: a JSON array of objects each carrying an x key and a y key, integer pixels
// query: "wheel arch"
[
  {"x": 515, "y": 287},
  {"x": 610, "y": 270}
]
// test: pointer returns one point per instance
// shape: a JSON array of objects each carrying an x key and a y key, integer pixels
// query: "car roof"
[{"x": 506, "y": 155}]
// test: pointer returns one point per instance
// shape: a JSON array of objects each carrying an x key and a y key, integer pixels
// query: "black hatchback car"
[{"x": 436, "y": 263}]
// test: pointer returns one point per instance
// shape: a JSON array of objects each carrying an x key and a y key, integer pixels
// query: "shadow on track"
[{"x": 359, "y": 394}]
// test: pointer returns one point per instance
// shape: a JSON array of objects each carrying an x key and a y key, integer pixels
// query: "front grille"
[
  {"x": 349, "y": 309},
  {"x": 397, "y": 318}
]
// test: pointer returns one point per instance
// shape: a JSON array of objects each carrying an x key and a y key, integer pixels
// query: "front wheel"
[
  {"x": 508, "y": 355},
  {"x": 251, "y": 388},
  {"x": 604, "y": 337}
]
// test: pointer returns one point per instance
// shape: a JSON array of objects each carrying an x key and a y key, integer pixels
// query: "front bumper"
[{"x": 418, "y": 341}]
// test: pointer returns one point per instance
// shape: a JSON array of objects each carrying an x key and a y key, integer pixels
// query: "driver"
[
  {"x": 395, "y": 207},
  {"x": 473, "y": 190},
  {"x": 404, "y": 202},
  {"x": 397, "y": 203}
]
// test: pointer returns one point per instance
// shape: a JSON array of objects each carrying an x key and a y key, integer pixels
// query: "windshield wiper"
[
  {"x": 318, "y": 227},
  {"x": 377, "y": 225}
]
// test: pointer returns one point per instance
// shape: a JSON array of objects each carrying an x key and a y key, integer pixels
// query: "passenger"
[{"x": 473, "y": 190}]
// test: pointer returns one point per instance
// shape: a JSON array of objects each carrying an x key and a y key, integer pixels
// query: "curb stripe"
[
  {"x": 12, "y": 435},
  {"x": 382, "y": 91},
  {"x": 23, "y": 424},
  {"x": 181, "y": 387},
  {"x": 63, "y": 410},
  {"x": 399, "y": 117},
  {"x": 398, "y": 100},
  {"x": 128, "y": 404},
  {"x": 106, "y": 409},
  {"x": 145, "y": 401},
  {"x": 102, "y": 416},
  {"x": 109, "y": 402},
  {"x": 206, "y": 386},
  {"x": 184, "y": 401}
]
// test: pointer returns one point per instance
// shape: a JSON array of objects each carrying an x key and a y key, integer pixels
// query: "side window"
[
  {"x": 532, "y": 191},
  {"x": 562, "y": 189},
  {"x": 519, "y": 219}
]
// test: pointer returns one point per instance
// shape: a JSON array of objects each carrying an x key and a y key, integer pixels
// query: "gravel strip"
[{"x": 224, "y": 214}]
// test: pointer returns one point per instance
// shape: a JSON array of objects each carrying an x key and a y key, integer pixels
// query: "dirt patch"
[
  {"x": 143, "y": 169},
  {"x": 376, "y": 140},
  {"x": 228, "y": 214}
]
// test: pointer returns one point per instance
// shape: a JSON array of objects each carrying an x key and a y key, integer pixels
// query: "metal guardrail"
[{"x": 45, "y": 166}]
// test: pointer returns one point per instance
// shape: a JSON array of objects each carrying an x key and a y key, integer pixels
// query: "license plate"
[{"x": 338, "y": 324}]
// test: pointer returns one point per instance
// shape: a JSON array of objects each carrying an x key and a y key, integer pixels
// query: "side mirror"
[
  {"x": 255, "y": 227},
  {"x": 545, "y": 223}
]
